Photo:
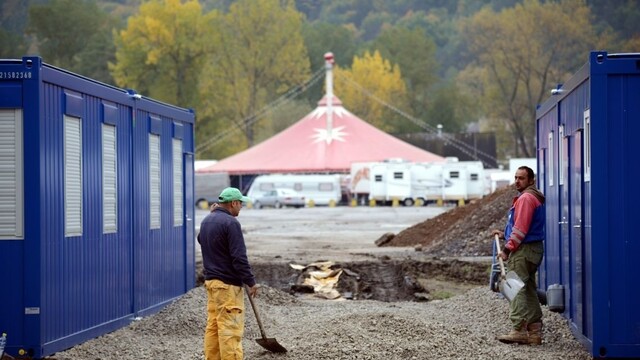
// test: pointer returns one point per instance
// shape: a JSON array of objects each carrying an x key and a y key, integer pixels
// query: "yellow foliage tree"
[
  {"x": 261, "y": 54},
  {"x": 524, "y": 51},
  {"x": 163, "y": 49},
  {"x": 371, "y": 83}
]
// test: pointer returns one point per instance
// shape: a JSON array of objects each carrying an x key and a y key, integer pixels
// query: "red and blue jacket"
[{"x": 526, "y": 220}]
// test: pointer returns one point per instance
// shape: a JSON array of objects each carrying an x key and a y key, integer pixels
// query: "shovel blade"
[
  {"x": 511, "y": 285},
  {"x": 271, "y": 344}
]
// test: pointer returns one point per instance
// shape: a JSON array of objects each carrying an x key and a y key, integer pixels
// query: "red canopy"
[{"x": 321, "y": 143}]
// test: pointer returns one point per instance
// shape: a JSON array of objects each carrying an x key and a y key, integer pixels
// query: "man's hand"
[
  {"x": 497, "y": 232},
  {"x": 503, "y": 256},
  {"x": 253, "y": 291},
  {"x": 213, "y": 206}
]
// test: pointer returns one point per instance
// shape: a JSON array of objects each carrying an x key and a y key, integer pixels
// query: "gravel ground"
[{"x": 461, "y": 327}]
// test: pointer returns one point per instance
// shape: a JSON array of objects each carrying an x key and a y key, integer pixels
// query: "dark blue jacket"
[{"x": 224, "y": 254}]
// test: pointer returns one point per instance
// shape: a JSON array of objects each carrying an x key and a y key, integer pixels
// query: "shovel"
[
  {"x": 510, "y": 284},
  {"x": 270, "y": 344}
]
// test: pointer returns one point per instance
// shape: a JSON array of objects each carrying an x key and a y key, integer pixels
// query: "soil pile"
[{"x": 462, "y": 231}]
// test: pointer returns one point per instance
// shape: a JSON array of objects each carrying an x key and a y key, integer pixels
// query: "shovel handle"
[
  {"x": 498, "y": 256},
  {"x": 255, "y": 312}
]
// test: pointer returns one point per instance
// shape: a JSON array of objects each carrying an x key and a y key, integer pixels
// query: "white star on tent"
[
  {"x": 338, "y": 111},
  {"x": 329, "y": 135}
]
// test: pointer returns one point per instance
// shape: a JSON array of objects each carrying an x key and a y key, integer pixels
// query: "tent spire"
[{"x": 328, "y": 65}]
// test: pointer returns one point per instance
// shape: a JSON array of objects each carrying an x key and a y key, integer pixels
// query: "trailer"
[
  {"x": 391, "y": 181},
  {"x": 96, "y": 207},
  {"x": 360, "y": 181},
  {"x": 463, "y": 180},
  {"x": 427, "y": 182},
  {"x": 587, "y": 166},
  {"x": 409, "y": 182},
  {"x": 320, "y": 189}
]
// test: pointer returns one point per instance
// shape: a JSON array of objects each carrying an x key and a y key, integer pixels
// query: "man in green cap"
[{"x": 226, "y": 270}]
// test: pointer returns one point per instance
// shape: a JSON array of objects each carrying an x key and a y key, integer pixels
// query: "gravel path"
[{"x": 462, "y": 327}]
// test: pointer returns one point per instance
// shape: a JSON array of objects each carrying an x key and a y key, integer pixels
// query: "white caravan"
[
  {"x": 427, "y": 182},
  {"x": 515, "y": 163},
  {"x": 322, "y": 189},
  {"x": 463, "y": 180},
  {"x": 496, "y": 179},
  {"x": 360, "y": 181},
  {"x": 407, "y": 182},
  {"x": 389, "y": 181}
]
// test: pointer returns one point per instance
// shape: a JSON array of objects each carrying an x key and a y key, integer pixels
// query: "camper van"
[{"x": 320, "y": 189}]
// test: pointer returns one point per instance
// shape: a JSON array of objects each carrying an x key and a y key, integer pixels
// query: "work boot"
[
  {"x": 516, "y": 336},
  {"x": 535, "y": 333}
]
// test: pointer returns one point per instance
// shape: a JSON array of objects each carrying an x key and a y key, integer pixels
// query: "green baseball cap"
[{"x": 229, "y": 194}]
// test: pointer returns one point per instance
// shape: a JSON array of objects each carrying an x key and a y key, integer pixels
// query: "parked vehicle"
[
  {"x": 466, "y": 179},
  {"x": 389, "y": 181},
  {"x": 279, "y": 198},
  {"x": 207, "y": 188},
  {"x": 321, "y": 189},
  {"x": 409, "y": 182}
]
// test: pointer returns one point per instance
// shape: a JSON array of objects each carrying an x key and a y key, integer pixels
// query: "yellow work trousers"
[{"x": 225, "y": 321}]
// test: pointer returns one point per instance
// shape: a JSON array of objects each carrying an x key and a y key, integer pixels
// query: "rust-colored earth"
[{"x": 462, "y": 231}]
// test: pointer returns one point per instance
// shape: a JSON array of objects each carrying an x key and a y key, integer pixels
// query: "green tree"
[
  {"x": 414, "y": 53},
  {"x": 64, "y": 29},
  {"x": 260, "y": 55},
  {"x": 12, "y": 46},
  {"x": 450, "y": 108},
  {"x": 163, "y": 49},
  {"x": 371, "y": 83},
  {"x": 320, "y": 38},
  {"x": 524, "y": 51}
]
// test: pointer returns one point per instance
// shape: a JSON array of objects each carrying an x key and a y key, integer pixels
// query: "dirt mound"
[{"x": 462, "y": 231}]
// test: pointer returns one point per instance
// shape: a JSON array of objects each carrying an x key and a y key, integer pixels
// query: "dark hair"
[{"x": 530, "y": 173}]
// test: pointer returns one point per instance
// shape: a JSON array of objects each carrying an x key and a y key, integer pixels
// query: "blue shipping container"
[
  {"x": 96, "y": 207},
  {"x": 588, "y": 165}
]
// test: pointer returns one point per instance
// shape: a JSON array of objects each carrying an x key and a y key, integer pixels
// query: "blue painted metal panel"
[
  {"x": 598, "y": 246},
  {"x": 548, "y": 124},
  {"x": 70, "y": 289}
]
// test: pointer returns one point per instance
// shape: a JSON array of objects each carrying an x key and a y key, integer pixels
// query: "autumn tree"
[
  {"x": 520, "y": 54},
  {"x": 162, "y": 50},
  {"x": 259, "y": 55},
  {"x": 369, "y": 87}
]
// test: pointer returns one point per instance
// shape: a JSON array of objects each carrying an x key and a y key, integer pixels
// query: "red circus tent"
[
  {"x": 327, "y": 140},
  {"x": 310, "y": 145}
]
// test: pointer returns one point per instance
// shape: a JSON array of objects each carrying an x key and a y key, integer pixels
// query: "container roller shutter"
[
  {"x": 109, "y": 176},
  {"x": 72, "y": 176},
  {"x": 177, "y": 182},
  {"x": 154, "y": 181},
  {"x": 11, "y": 175}
]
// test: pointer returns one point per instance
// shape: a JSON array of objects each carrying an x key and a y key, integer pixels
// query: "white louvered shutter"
[
  {"x": 177, "y": 182},
  {"x": 11, "y": 175},
  {"x": 154, "y": 181},
  {"x": 72, "y": 176},
  {"x": 109, "y": 180}
]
